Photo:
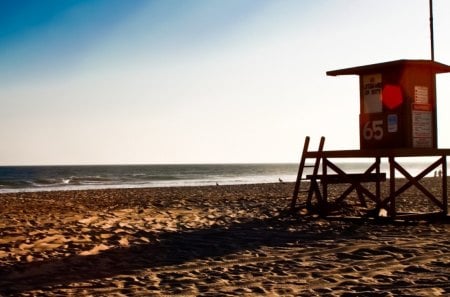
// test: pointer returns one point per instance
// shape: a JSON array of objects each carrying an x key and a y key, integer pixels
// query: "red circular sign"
[{"x": 392, "y": 96}]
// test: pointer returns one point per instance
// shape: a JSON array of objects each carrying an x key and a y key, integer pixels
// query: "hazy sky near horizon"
[{"x": 197, "y": 81}]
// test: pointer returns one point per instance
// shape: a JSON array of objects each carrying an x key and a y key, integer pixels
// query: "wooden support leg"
[
  {"x": 444, "y": 185},
  {"x": 314, "y": 190},
  {"x": 324, "y": 204},
  {"x": 392, "y": 186},
  {"x": 361, "y": 199},
  {"x": 377, "y": 185}
]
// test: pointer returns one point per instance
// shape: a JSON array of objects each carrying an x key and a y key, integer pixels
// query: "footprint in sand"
[
  {"x": 88, "y": 221},
  {"x": 95, "y": 250},
  {"x": 124, "y": 241}
]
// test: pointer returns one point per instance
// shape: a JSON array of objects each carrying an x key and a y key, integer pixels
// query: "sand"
[{"x": 211, "y": 241}]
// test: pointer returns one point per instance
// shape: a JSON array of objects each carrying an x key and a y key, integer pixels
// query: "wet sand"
[{"x": 211, "y": 241}]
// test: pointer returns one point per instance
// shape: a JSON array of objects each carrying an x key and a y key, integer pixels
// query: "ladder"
[{"x": 301, "y": 167}]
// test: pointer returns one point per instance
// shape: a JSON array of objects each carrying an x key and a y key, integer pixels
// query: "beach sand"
[{"x": 211, "y": 241}]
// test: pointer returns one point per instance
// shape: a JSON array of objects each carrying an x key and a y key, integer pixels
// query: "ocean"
[{"x": 52, "y": 178}]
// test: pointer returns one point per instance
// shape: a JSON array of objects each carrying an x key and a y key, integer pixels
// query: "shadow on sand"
[{"x": 167, "y": 249}]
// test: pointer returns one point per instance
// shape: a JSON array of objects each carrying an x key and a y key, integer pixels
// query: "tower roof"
[{"x": 434, "y": 66}]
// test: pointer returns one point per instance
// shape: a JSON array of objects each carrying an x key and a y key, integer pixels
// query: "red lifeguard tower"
[
  {"x": 398, "y": 118},
  {"x": 397, "y": 103}
]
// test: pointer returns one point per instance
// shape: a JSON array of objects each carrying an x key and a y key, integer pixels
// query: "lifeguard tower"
[
  {"x": 398, "y": 118},
  {"x": 397, "y": 103}
]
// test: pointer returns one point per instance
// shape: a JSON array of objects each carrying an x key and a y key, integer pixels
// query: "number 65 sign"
[
  {"x": 380, "y": 130},
  {"x": 373, "y": 130}
]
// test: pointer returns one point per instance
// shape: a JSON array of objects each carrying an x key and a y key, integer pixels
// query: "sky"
[{"x": 197, "y": 81}]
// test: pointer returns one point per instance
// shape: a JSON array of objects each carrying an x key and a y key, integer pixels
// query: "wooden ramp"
[{"x": 298, "y": 183}]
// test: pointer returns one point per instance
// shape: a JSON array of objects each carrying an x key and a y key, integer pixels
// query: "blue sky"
[{"x": 192, "y": 81}]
